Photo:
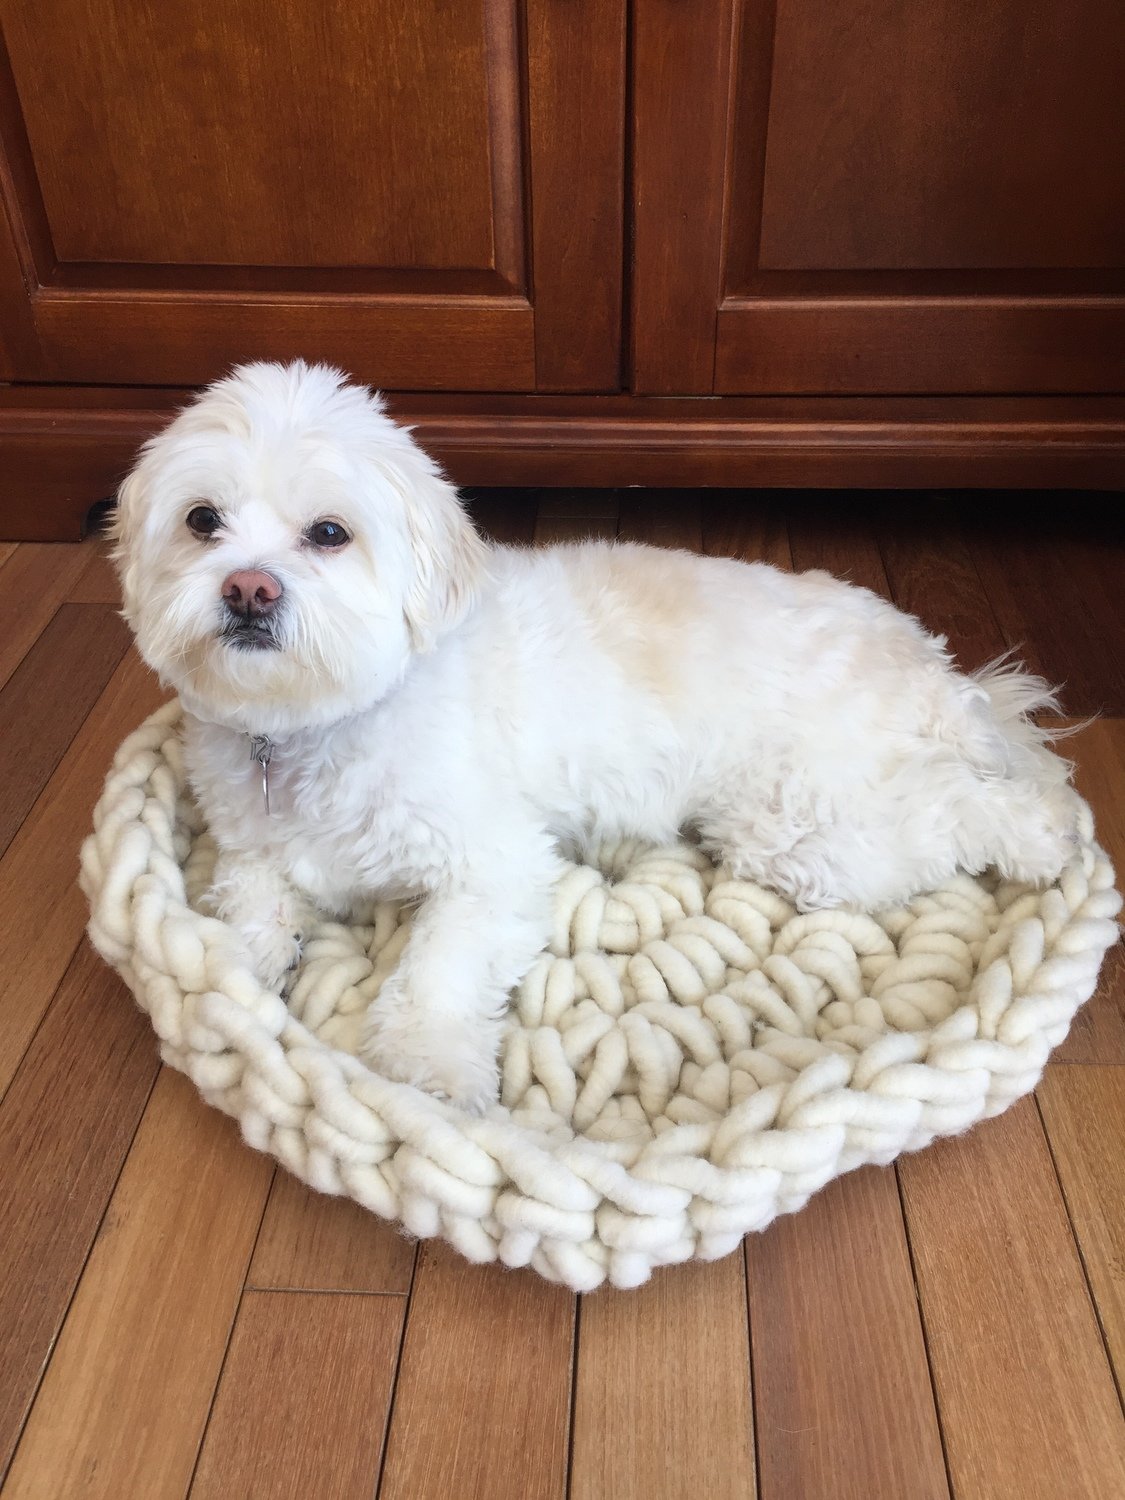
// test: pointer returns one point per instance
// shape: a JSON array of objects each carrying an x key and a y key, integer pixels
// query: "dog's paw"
[
  {"x": 275, "y": 951},
  {"x": 451, "y": 1059}
]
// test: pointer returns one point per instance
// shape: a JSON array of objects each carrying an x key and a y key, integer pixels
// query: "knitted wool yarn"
[{"x": 689, "y": 1059}]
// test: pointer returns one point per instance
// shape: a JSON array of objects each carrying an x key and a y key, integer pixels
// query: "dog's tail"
[
  {"x": 1022, "y": 818},
  {"x": 1017, "y": 696}
]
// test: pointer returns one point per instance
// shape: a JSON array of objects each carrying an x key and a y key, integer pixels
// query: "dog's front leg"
[
  {"x": 253, "y": 896},
  {"x": 437, "y": 1021}
]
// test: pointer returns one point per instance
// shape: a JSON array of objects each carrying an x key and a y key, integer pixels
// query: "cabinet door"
[
  {"x": 428, "y": 192},
  {"x": 879, "y": 196}
]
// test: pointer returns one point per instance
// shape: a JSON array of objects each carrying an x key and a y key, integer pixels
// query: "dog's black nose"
[{"x": 251, "y": 593}]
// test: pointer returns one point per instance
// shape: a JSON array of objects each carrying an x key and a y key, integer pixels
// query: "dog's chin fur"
[{"x": 444, "y": 714}]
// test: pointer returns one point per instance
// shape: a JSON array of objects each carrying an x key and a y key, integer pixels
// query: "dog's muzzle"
[
  {"x": 251, "y": 604},
  {"x": 250, "y": 635}
]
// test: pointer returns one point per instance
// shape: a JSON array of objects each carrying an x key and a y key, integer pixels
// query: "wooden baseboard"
[{"x": 64, "y": 448}]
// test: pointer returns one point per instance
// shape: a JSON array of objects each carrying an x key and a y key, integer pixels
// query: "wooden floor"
[{"x": 179, "y": 1318}]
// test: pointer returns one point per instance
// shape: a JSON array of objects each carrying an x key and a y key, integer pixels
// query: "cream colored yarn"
[{"x": 690, "y": 1059}]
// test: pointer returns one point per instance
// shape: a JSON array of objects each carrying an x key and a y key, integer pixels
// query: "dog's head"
[{"x": 284, "y": 548}]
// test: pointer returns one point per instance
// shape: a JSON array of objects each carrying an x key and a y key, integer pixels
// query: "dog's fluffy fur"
[{"x": 447, "y": 715}]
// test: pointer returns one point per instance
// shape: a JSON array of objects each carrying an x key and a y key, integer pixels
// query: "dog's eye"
[
  {"x": 203, "y": 520},
  {"x": 327, "y": 534}
]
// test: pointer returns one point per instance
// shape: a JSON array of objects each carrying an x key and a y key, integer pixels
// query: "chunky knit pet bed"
[{"x": 690, "y": 1059}]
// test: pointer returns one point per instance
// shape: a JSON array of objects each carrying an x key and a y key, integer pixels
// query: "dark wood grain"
[
  {"x": 46, "y": 699},
  {"x": 827, "y": 531},
  {"x": 575, "y": 528},
  {"x": 577, "y": 76},
  {"x": 454, "y": 342},
  {"x": 98, "y": 582},
  {"x": 1026, "y": 1395},
  {"x": 65, "y": 1127},
  {"x": 932, "y": 575},
  {"x": 969, "y": 342},
  {"x": 576, "y": 515},
  {"x": 131, "y": 130},
  {"x": 302, "y": 1404},
  {"x": 438, "y": 204},
  {"x": 842, "y": 1388},
  {"x": 1084, "y": 1114},
  {"x": 35, "y": 582},
  {"x": 554, "y": 504},
  {"x": 662, "y": 518},
  {"x": 44, "y": 911},
  {"x": 125, "y": 1398},
  {"x": 1098, "y": 751},
  {"x": 504, "y": 515},
  {"x": 310, "y": 1242},
  {"x": 481, "y": 1404},
  {"x": 679, "y": 128},
  {"x": 1055, "y": 583},
  {"x": 64, "y": 447},
  {"x": 1097, "y": 1034},
  {"x": 747, "y": 524},
  {"x": 662, "y": 1389},
  {"x": 962, "y": 179}
]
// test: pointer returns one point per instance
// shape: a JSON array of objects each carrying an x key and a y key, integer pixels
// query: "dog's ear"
[
  {"x": 447, "y": 556},
  {"x": 123, "y": 531}
]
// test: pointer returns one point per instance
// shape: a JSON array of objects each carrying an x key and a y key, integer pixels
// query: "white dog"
[{"x": 432, "y": 716}]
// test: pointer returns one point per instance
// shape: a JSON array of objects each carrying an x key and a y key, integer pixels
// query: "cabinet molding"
[{"x": 64, "y": 448}]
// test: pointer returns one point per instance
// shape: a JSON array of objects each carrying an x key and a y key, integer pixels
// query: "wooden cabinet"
[
  {"x": 879, "y": 197},
  {"x": 885, "y": 240},
  {"x": 427, "y": 192}
]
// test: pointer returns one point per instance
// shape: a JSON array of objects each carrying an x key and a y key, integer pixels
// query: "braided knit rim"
[{"x": 689, "y": 1059}]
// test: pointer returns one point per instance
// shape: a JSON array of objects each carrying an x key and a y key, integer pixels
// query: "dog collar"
[{"x": 261, "y": 750}]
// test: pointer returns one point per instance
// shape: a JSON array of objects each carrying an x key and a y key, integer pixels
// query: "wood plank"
[
  {"x": 36, "y": 580},
  {"x": 506, "y": 516},
  {"x": 98, "y": 582},
  {"x": 554, "y": 529},
  {"x": 46, "y": 699},
  {"x": 310, "y": 1241},
  {"x": 6, "y": 550},
  {"x": 662, "y": 1389},
  {"x": 577, "y": 515},
  {"x": 933, "y": 576},
  {"x": 605, "y": 504},
  {"x": 1098, "y": 750},
  {"x": 65, "y": 1128},
  {"x": 747, "y": 524},
  {"x": 1027, "y": 1400},
  {"x": 829, "y": 530},
  {"x": 1084, "y": 1113},
  {"x": 662, "y": 518},
  {"x": 38, "y": 890},
  {"x": 125, "y": 1399},
  {"x": 1055, "y": 585},
  {"x": 302, "y": 1404},
  {"x": 1097, "y": 1033},
  {"x": 481, "y": 1405},
  {"x": 842, "y": 1386}
]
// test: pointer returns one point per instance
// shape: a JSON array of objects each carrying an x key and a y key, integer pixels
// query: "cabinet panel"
[
  {"x": 915, "y": 199},
  {"x": 361, "y": 134},
  {"x": 938, "y": 136},
  {"x": 189, "y": 185}
]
